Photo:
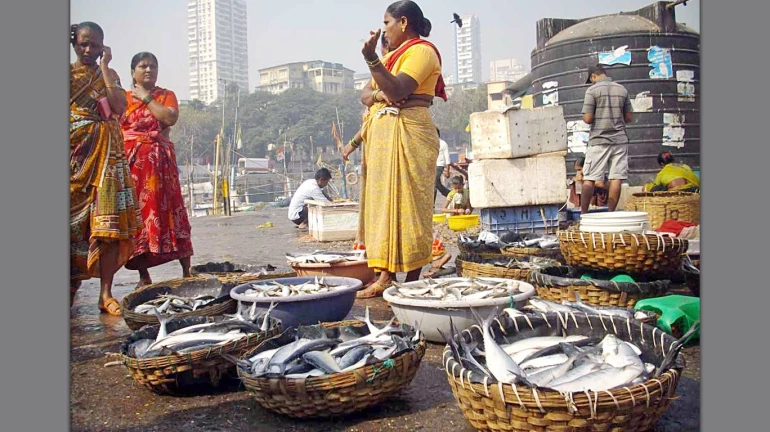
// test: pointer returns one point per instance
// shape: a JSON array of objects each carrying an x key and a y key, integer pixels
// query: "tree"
[{"x": 453, "y": 116}]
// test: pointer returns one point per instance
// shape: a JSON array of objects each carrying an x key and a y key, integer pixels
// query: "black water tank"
[{"x": 566, "y": 48}]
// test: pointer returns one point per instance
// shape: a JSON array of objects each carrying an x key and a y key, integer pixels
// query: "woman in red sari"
[{"x": 150, "y": 113}]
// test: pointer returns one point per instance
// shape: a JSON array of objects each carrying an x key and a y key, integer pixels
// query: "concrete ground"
[{"x": 107, "y": 399}]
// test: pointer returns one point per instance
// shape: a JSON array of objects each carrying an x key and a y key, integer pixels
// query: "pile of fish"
[
  {"x": 566, "y": 364},
  {"x": 170, "y": 304},
  {"x": 532, "y": 263},
  {"x": 274, "y": 288},
  {"x": 318, "y": 351},
  {"x": 457, "y": 290},
  {"x": 578, "y": 306},
  {"x": 199, "y": 336},
  {"x": 321, "y": 257}
]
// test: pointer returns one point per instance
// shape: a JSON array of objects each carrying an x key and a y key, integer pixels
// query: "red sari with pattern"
[{"x": 151, "y": 157}]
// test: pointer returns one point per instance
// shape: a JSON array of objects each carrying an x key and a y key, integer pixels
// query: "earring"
[{"x": 403, "y": 28}]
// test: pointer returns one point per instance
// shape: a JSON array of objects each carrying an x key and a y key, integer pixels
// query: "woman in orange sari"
[
  {"x": 103, "y": 214},
  {"x": 401, "y": 147},
  {"x": 146, "y": 126}
]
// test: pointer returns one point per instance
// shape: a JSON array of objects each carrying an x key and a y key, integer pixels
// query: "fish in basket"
[
  {"x": 180, "y": 354},
  {"x": 562, "y": 371},
  {"x": 332, "y": 369}
]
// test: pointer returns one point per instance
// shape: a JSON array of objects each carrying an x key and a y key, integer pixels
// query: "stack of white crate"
[{"x": 519, "y": 158}]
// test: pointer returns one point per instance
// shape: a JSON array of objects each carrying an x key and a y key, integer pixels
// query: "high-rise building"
[
  {"x": 216, "y": 33},
  {"x": 467, "y": 43},
  {"x": 506, "y": 70}
]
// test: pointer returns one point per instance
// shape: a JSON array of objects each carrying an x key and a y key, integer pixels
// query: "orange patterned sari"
[
  {"x": 166, "y": 233},
  {"x": 102, "y": 197}
]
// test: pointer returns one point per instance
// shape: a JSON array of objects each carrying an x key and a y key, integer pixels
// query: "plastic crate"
[{"x": 539, "y": 219}]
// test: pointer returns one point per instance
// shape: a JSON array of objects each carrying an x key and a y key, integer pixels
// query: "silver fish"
[
  {"x": 355, "y": 355},
  {"x": 500, "y": 364},
  {"x": 604, "y": 379},
  {"x": 322, "y": 360}
]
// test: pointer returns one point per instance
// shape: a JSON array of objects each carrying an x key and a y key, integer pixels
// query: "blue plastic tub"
[{"x": 307, "y": 309}]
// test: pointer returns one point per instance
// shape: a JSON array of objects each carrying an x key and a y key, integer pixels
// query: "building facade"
[
  {"x": 218, "y": 48},
  {"x": 321, "y": 76},
  {"x": 467, "y": 52},
  {"x": 506, "y": 70}
]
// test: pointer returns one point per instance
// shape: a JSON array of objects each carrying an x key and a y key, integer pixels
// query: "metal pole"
[{"x": 189, "y": 178}]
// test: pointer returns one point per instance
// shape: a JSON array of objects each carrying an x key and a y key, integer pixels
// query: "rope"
[{"x": 388, "y": 364}]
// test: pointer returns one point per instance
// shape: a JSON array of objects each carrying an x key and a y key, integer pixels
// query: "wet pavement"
[{"x": 107, "y": 399}]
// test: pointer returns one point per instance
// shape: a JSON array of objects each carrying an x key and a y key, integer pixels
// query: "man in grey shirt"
[{"x": 607, "y": 109}]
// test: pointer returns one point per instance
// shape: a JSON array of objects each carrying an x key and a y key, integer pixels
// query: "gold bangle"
[{"x": 374, "y": 95}]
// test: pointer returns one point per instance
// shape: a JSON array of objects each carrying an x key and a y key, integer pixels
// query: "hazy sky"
[{"x": 300, "y": 30}]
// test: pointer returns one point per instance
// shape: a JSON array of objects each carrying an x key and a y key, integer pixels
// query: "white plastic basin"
[
  {"x": 612, "y": 222},
  {"x": 430, "y": 315}
]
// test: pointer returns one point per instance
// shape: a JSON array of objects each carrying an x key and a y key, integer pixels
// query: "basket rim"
[
  {"x": 667, "y": 194},
  {"x": 649, "y": 241},
  {"x": 312, "y": 384}
]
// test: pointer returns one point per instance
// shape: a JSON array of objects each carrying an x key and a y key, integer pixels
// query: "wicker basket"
[
  {"x": 336, "y": 394},
  {"x": 637, "y": 254},
  {"x": 495, "y": 407},
  {"x": 561, "y": 283},
  {"x": 223, "y": 305},
  {"x": 473, "y": 269},
  {"x": 185, "y": 374},
  {"x": 522, "y": 252},
  {"x": 663, "y": 206}
]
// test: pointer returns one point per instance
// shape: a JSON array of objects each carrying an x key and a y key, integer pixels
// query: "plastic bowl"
[
  {"x": 306, "y": 309},
  {"x": 430, "y": 315},
  {"x": 462, "y": 222},
  {"x": 439, "y": 218},
  {"x": 349, "y": 269}
]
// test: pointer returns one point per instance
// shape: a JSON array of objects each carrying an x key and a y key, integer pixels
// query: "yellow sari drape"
[
  {"x": 673, "y": 171},
  {"x": 102, "y": 197},
  {"x": 397, "y": 201}
]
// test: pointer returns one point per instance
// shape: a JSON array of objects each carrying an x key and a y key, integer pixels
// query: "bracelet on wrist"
[{"x": 147, "y": 99}]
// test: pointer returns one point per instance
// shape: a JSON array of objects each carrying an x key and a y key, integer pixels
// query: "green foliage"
[{"x": 298, "y": 114}]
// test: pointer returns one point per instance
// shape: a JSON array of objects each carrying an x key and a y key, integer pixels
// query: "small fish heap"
[
  {"x": 567, "y": 364},
  {"x": 276, "y": 289},
  {"x": 171, "y": 304},
  {"x": 320, "y": 257},
  {"x": 200, "y": 336},
  {"x": 457, "y": 289},
  {"x": 318, "y": 351},
  {"x": 532, "y": 263},
  {"x": 578, "y": 306}
]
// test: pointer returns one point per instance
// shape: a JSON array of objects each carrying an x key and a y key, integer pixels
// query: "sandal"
[
  {"x": 111, "y": 307},
  {"x": 374, "y": 290}
]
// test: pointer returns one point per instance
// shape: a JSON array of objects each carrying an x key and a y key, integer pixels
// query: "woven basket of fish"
[
  {"x": 632, "y": 253},
  {"x": 199, "y": 295},
  {"x": 563, "y": 372},
  {"x": 522, "y": 252},
  {"x": 470, "y": 265},
  {"x": 539, "y": 305},
  {"x": 228, "y": 272},
  {"x": 185, "y": 355},
  {"x": 472, "y": 245},
  {"x": 332, "y": 369},
  {"x": 564, "y": 283}
]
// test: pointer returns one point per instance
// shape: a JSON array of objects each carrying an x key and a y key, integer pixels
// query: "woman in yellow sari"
[
  {"x": 401, "y": 147},
  {"x": 103, "y": 213},
  {"x": 673, "y": 176}
]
